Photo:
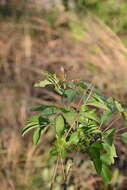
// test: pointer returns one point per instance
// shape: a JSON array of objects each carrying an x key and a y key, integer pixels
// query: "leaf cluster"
[{"x": 85, "y": 127}]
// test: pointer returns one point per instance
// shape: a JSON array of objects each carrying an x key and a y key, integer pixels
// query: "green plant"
[{"x": 85, "y": 127}]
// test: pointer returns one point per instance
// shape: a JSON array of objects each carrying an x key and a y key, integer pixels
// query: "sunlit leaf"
[
  {"x": 93, "y": 102},
  {"x": 110, "y": 154},
  {"x": 37, "y": 135},
  {"x": 119, "y": 106},
  {"x": 74, "y": 138},
  {"x": 70, "y": 116},
  {"x": 125, "y": 115},
  {"x": 106, "y": 174},
  {"x": 59, "y": 125},
  {"x": 91, "y": 114},
  {"x": 42, "y": 83},
  {"x": 34, "y": 118},
  {"x": 109, "y": 135},
  {"x": 99, "y": 98},
  {"x": 29, "y": 126}
]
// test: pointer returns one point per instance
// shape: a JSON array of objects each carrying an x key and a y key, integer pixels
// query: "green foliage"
[
  {"x": 37, "y": 135},
  {"x": 124, "y": 137},
  {"x": 106, "y": 174},
  {"x": 71, "y": 94},
  {"x": 74, "y": 138},
  {"x": 59, "y": 125},
  {"x": 84, "y": 128},
  {"x": 109, "y": 135},
  {"x": 42, "y": 83},
  {"x": 112, "y": 12}
]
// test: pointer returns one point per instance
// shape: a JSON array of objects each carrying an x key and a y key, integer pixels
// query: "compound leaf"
[{"x": 91, "y": 114}]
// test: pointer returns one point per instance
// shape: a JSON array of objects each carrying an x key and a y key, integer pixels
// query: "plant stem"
[
  {"x": 79, "y": 112},
  {"x": 63, "y": 169},
  {"x": 121, "y": 129},
  {"x": 108, "y": 127},
  {"x": 54, "y": 174}
]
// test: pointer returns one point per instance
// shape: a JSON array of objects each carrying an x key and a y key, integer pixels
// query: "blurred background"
[{"x": 89, "y": 39}]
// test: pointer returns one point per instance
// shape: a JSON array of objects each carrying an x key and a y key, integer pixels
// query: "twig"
[
  {"x": 111, "y": 124},
  {"x": 63, "y": 169},
  {"x": 121, "y": 129},
  {"x": 66, "y": 135},
  {"x": 79, "y": 112},
  {"x": 54, "y": 174}
]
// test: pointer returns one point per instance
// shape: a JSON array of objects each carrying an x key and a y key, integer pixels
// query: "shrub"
[{"x": 83, "y": 123}]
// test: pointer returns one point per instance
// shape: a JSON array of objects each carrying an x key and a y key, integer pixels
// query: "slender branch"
[
  {"x": 54, "y": 174},
  {"x": 108, "y": 127},
  {"x": 89, "y": 94},
  {"x": 63, "y": 169},
  {"x": 121, "y": 129},
  {"x": 79, "y": 112},
  {"x": 101, "y": 124}
]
